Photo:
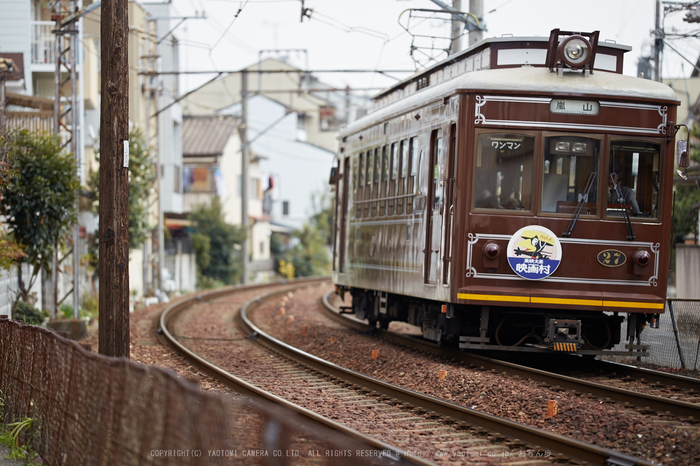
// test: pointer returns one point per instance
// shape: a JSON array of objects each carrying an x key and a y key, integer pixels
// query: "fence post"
[{"x": 675, "y": 332}]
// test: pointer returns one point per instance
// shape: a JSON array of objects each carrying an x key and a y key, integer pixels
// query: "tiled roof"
[{"x": 207, "y": 136}]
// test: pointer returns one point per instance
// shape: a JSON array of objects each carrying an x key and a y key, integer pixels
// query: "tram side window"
[
  {"x": 437, "y": 174},
  {"x": 393, "y": 172},
  {"x": 504, "y": 168},
  {"x": 402, "y": 175},
  {"x": 634, "y": 165},
  {"x": 377, "y": 177},
  {"x": 368, "y": 182},
  {"x": 414, "y": 167},
  {"x": 571, "y": 165},
  {"x": 384, "y": 181},
  {"x": 359, "y": 177}
]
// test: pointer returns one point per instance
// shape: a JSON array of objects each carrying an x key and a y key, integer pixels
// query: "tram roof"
[
  {"x": 528, "y": 80},
  {"x": 508, "y": 52}
]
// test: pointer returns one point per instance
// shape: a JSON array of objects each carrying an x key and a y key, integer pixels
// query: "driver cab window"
[
  {"x": 633, "y": 179},
  {"x": 570, "y": 175},
  {"x": 503, "y": 174}
]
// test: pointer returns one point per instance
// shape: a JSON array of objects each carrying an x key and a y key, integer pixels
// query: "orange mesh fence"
[
  {"x": 91, "y": 409},
  {"x": 95, "y": 410}
]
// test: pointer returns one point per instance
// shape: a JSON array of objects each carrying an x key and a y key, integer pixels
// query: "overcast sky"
[{"x": 366, "y": 34}]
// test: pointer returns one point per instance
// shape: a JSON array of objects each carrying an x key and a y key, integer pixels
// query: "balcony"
[{"x": 43, "y": 46}]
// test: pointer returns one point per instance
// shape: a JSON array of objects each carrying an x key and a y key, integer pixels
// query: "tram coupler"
[{"x": 564, "y": 335}]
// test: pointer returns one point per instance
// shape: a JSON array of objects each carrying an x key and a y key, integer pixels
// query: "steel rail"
[
  {"x": 396, "y": 455},
  {"x": 657, "y": 403},
  {"x": 571, "y": 448},
  {"x": 650, "y": 375}
]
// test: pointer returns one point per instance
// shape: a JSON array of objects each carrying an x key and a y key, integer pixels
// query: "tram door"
[
  {"x": 448, "y": 209},
  {"x": 436, "y": 169},
  {"x": 345, "y": 180}
]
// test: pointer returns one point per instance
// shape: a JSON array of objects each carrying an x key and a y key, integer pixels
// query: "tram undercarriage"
[{"x": 504, "y": 328}]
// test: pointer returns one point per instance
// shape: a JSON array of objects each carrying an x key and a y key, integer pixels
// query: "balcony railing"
[{"x": 43, "y": 43}]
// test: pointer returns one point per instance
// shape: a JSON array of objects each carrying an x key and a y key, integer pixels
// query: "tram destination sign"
[{"x": 574, "y": 107}]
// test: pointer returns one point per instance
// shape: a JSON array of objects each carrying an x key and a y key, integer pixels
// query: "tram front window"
[
  {"x": 503, "y": 174},
  {"x": 571, "y": 165},
  {"x": 634, "y": 169}
]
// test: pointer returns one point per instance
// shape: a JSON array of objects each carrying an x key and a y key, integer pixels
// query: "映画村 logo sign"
[{"x": 534, "y": 252}]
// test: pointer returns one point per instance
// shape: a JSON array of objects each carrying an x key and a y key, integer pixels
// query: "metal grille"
[{"x": 671, "y": 346}]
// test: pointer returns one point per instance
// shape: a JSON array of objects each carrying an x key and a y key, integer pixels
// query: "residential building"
[
  {"x": 292, "y": 122},
  {"x": 26, "y": 33},
  {"x": 212, "y": 168}
]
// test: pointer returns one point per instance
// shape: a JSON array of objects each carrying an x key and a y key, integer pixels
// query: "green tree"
[
  {"x": 142, "y": 176},
  {"x": 687, "y": 194},
  {"x": 219, "y": 260},
  {"x": 10, "y": 251},
  {"x": 39, "y": 199}
]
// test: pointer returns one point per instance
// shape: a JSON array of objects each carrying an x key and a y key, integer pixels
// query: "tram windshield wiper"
[
  {"x": 621, "y": 200},
  {"x": 583, "y": 199}
]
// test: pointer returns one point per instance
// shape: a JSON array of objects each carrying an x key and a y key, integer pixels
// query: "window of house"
[
  {"x": 177, "y": 179},
  {"x": 198, "y": 179}
]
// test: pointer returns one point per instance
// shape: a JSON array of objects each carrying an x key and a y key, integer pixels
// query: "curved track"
[
  {"x": 393, "y": 395},
  {"x": 326, "y": 428}
]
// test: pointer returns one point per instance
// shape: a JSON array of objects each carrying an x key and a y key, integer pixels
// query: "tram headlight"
[
  {"x": 641, "y": 258},
  {"x": 492, "y": 250},
  {"x": 575, "y": 51}
]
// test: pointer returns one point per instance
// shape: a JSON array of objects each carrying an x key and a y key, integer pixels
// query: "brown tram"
[{"x": 515, "y": 196}]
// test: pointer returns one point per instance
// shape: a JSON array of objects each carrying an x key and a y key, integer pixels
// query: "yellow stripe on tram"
[
  {"x": 494, "y": 297},
  {"x": 634, "y": 304},
  {"x": 570, "y": 302},
  {"x": 563, "y": 301}
]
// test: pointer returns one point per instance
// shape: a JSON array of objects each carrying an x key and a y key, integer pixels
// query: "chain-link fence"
[
  {"x": 91, "y": 409},
  {"x": 675, "y": 344}
]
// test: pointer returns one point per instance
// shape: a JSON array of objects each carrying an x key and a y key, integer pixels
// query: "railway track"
[
  {"x": 648, "y": 402},
  {"x": 426, "y": 428}
]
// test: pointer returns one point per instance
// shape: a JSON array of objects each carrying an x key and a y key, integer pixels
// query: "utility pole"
[
  {"x": 152, "y": 100},
  {"x": 457, "y": 25},
  {"x": 658, "y": 42},
  {"x": 243, "y": 131},
  {"x": 476, "y": 7},
  {"x": 147, "y": 130},
  {"x": 114, "y": 181}
]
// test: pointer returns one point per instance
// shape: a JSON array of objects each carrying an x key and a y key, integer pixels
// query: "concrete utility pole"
[
  {"x": 658, "y": 42},
  {"x": 476, "y": 7},
  {"x": 245, "y": 161},
  {"x": 147, "y": 134},
  {"x": 114, "y": 181},
  {"x": 457, "y": 25}
]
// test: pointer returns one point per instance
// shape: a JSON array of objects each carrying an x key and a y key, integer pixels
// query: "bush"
[{"x": 25, "y": 312}]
